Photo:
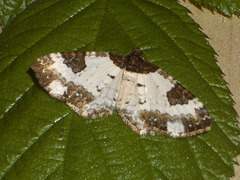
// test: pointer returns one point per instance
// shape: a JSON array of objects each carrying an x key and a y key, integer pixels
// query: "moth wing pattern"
[
  {"x": 150, "y": 106},
  {"x": 91, "y": 90},
  {"x": 148, "y": 100}
]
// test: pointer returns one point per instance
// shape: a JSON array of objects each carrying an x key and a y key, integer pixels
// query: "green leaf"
[
  {"x": 10, "y": 8},
  {"x": 42, "y": 138},
  {"x": 224, "y": 7}
]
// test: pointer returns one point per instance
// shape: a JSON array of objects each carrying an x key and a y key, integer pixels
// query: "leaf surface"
[
  {"x": 42, "y": 138},
  {"x": 224, "y": 7},
  {"x": 10, "y": 8}
]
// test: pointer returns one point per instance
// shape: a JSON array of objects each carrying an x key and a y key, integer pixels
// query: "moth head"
[{"x": 136, "y": 52}]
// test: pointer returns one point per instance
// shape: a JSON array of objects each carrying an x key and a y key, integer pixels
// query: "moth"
[{"x": 149, "y": 101}]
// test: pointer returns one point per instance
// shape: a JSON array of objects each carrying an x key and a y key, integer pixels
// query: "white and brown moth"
[{"x": 148, "y": 100}]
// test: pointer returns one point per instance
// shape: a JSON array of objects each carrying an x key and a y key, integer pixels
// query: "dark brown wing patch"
[
  {"x": 133, "y": 62},
  {"x": 179, "y": 95},
  {"x": 74, "y": 60}
]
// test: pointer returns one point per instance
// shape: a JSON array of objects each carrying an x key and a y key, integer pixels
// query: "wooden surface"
[{"x": 224, "y": 37}]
